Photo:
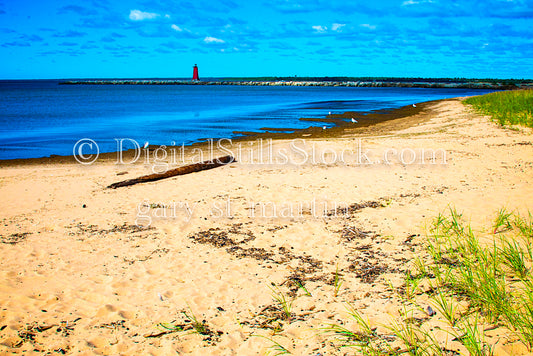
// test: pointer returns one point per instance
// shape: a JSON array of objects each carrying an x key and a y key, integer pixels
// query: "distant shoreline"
[{"x": 403, "y": 83}]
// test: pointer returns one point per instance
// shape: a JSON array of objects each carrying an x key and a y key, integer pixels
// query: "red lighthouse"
[{"x": 195, "y": 73}]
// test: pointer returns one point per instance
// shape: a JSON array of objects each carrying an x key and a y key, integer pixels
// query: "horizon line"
[{"x": 270, "y": 77}]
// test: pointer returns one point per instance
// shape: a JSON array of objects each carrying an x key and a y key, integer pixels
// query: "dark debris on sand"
[
  {"x": 369, "y": 265},
  {"x": 94, "y": 230},
  {"x": 354, "y": 208},
  {"x": 14, "y": 239},
  {"x": 257, "y": 253},
  {"x": 220, "y": 238},
  {"x": 350, "y": 233}
]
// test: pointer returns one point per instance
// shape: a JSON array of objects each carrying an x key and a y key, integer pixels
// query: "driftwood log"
[{"x": 190, "y": 168}]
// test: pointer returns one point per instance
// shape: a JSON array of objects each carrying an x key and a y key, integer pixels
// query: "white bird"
[
  {"x": 323, "y": 127},
  {"x": 145, "y": 144},
  {"x": 414, "y": 105},
  {"x": 330, "y": 113},
  {"x": 354, "y": 120}
]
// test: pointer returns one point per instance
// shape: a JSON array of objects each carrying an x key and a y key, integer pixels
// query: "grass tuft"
[
  {"x": 366, "y": 340},
  {"x": 494, "y": 277},
  {"x": 284, "y": 302},
  {"x": 199, "y": 327},
  {"x": 302, "y": 287},
  {"x": 337, "y": 282},
  {"x": 502, "y": 222},
  {"x": 276, "y": 348},
  {"x": 447, "y": 307},
  {"x": 507, "y": 107}
]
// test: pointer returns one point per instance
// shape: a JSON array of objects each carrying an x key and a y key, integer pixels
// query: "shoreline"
[{"x": 364, "y": 121}]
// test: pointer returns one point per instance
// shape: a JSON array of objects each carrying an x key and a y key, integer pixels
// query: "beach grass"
[
  {"x": 475, "y": 281},
  {"x": 337, "y": 282},
  {"x": 506, "y": 107},
  {"x": 199, "y": 327},
  {"x": 275, "y": 348},
  {"x": 283, "y": 301}
]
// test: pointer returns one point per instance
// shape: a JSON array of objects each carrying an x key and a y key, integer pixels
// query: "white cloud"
[
  {"x": 337, "y": 26},
  {"x": 138, "y": 15},
  {"x": 366, "y": 25},
  {"x": 414, "y": 2},
  {"x": 176, "y": 28},
  {"x": 320, "y": 28},
  {"x": 210, "y": 39}
]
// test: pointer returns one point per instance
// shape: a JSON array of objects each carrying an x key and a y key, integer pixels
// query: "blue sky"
[{"x": 160, "y": 38}]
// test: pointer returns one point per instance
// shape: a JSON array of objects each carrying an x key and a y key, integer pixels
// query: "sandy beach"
[{"x": 91, "y": 270}]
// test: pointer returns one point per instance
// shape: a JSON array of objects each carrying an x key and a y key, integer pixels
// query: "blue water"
[{"x": 41, "y": 118}]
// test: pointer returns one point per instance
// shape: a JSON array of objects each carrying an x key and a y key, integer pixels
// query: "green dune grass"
[
  {"x": 507, "y": 107},
  {"x": 474, "y": 281}
]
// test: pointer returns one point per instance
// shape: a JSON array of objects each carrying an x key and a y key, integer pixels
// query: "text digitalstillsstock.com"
[{"x": 295, "y": 152}]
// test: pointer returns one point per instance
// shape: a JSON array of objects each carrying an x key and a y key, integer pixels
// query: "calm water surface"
[{"x": 40, "y": 118}]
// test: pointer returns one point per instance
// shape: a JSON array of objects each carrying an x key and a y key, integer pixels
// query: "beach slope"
[{"x": 202, "y": 263}]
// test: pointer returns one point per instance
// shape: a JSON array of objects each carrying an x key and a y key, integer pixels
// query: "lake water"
[{"x": 41, "y": 118}]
